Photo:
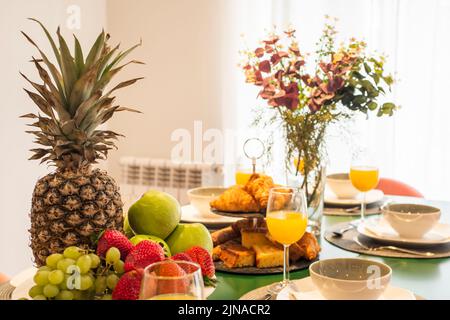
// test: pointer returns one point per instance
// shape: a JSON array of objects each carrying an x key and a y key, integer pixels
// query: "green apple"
[
  {"x": 186, "y": 236},
  {"x": 156, "y": 213},
  {"x": 141, "y": 237},
  {"x": 126, "y": 227},
  {"x": 138, "y": 238}
]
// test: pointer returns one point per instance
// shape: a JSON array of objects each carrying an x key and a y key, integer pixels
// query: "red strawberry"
[
  {"x": 203, "y": 258},
  {"x": 181, "y": 257},
  {"x": 114, "y": 238},
  {"x": 172, "y": 282},
  {"x": 169, "y": 269},
  {"x": 184, "y": 257},
  {"x": 144, "y": 253},
  {"x": 128, "y": 286}
]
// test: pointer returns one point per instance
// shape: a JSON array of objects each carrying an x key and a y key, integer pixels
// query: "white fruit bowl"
[
  {"x": 341, "y": 185},
  {"x": 201, "y": 197},
  {"x": 411, "y": 220}
]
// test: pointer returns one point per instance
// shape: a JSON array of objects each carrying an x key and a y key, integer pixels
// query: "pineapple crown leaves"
[{"x": 72, "y": 102}]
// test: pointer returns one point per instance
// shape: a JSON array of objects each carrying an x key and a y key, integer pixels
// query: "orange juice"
[
  {"x": 286, "y": 227},
  {"x": 242, "y": 177},
  {"x": 364, "y": 178},
  {"x": 174, "y": 296}
]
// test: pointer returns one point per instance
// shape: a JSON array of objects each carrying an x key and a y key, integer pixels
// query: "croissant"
[
  {"x": 259, "y": 186},
  {"x": 309, "y": 246},
  {"x": 236, "y": 199}
]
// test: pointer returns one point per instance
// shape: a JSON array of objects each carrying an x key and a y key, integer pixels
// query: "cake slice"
[
  {"x": 216, "y": 253},
  {"x": 234, "y": 255},
  {"x": 268, "y": 256},
  {"x": 251, "y": 237},
  {"x": 218, "y": 249}
]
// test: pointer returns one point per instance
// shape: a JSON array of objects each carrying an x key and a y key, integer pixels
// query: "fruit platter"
[{"x": 113, "y": 270}]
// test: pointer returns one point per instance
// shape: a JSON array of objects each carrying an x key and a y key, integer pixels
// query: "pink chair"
[
  {"x": 397, "y": 188},
  {"x": 3, "y": 278}
]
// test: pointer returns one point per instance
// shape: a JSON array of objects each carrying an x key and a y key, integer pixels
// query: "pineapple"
[{"x": 75, "y": 202}]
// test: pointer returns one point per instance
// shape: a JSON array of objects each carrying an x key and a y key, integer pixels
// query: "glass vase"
[{"x": 314, "y": 187}]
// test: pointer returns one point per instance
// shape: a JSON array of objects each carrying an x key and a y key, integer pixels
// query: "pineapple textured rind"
[{"x": 69, "y": 208}]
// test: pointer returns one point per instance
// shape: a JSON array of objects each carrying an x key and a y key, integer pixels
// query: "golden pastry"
[
  {"x": 259, "y": 186},
  {"x": 236, "y": 256},
  {"x": 268, "y": 256},
  {"x": 235, "y": 199},
  {"x": 224, "y": 235}
]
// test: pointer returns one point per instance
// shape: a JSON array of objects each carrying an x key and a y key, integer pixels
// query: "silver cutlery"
[
  {"x": 393, "y": 248},
  {"x": 269, "y": 295},
  {"x": 340, "y": 232},
  {"x": 343, "y": 209}
]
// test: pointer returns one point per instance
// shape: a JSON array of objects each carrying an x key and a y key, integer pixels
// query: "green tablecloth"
[{"x": 429, "y": 278}]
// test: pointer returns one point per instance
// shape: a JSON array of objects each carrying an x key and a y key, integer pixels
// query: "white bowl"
[
  {"x": 350, "y": 278},
  {"x": 201, "y": 197},
  {"x": 411, "y": 221},
  {"x": 341, "y": 185}
]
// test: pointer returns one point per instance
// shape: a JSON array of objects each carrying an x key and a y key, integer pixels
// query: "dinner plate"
[
  {"x": 240, "y": 215},
  {"x": 372, "y": 196},
  {"x": 307, "y": 291},
  {"x": 379, "y": 229},
  {"x": 190, "y": 214},
  {"x": 23, "y": 285}
]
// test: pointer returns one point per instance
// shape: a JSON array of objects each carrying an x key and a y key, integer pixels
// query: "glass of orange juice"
[
  {"x": 287, "y": 219},
  {"x": 364, "y": 178},
  {"x": 242, "y": 176},
  {"x": 172, "y": 280},
  {"x": 244, "y": 172}
]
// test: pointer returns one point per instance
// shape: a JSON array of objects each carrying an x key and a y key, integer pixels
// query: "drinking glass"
[
  {"x": 364, "y": 177},
  {"x": 242, "y": 175},
  {"x": 172, "y": 280},
  {"x": 287, "y": 219}
]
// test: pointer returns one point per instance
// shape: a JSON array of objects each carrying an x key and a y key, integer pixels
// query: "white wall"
[
  {"x": 182, "y": 51},
  {"x": 17, "y": 174}
]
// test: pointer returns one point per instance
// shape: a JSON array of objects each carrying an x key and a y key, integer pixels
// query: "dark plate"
[
  {"x": 295, "y": 266},
  {"x": 239, "y": 214}
]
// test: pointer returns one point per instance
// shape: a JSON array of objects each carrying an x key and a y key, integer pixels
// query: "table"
[{"x": 429, "y": 278}]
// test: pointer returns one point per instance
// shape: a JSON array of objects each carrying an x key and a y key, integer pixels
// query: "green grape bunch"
[{"x": 77, "y": 274}]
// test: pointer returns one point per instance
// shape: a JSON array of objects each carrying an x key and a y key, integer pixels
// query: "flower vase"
[{"x": 314, "y": 187}]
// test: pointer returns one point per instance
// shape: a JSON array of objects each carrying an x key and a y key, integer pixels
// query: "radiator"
[{"x": 139, "y": 175}]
